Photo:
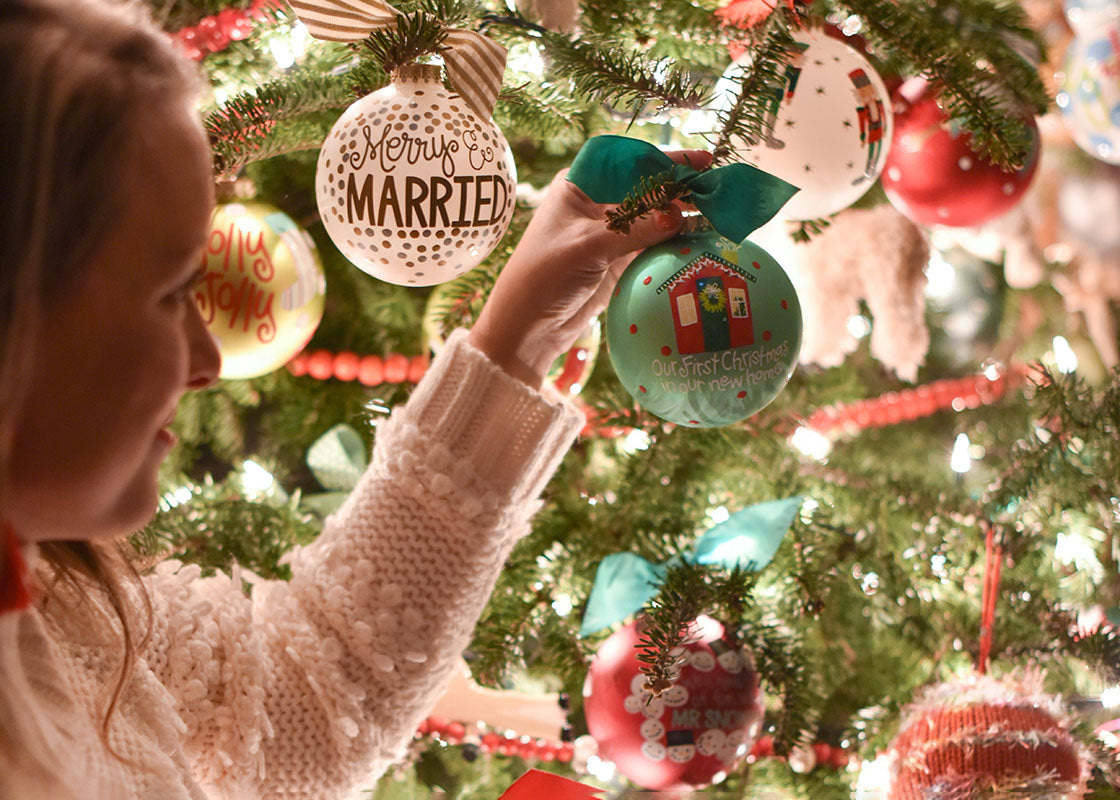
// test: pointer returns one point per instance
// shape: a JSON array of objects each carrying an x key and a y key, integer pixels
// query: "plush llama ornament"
[
  {"x": 556, "y": 15},
  {"x": 1089, "y": 206},
  {"x": 873, "y": 254}
]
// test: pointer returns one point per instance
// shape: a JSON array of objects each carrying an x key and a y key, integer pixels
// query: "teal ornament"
[
  {"x": 703, "y": 331},
  {"x": 748, "y": 539}
]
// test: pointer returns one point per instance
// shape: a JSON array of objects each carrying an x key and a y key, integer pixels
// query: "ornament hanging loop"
[{"x": 993, "y": 561}]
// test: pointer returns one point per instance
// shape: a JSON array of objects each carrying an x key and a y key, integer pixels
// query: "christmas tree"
[{"x": 949, "y": 444}]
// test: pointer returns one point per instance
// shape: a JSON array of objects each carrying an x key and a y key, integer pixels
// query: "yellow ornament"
[{"x": 262, "y": 294}]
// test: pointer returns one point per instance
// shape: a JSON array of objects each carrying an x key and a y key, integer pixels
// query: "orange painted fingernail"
[{"x": 664, "y": 220}]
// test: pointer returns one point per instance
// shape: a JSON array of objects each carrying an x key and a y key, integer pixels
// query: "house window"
[
  {"x": 738, "y": 299},
  {"x": 686, "y": 309}
]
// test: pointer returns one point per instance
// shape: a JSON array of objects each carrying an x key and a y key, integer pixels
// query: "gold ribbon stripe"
[{"x": 475, "y": 62}]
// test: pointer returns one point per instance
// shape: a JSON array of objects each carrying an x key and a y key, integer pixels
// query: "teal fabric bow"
[
  {"x": 736, "y": 198},
  {"x": 625, "y": 582},
  {"x": 337, "y": 459}
]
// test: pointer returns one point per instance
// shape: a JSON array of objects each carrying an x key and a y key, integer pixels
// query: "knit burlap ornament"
[{"x": 985, "y": 739}]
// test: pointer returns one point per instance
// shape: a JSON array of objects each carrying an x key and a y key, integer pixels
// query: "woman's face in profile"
[{"x": 117, "y": 350}]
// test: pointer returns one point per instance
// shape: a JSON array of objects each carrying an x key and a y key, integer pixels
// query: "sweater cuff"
[{"x": 512, "y": 435}]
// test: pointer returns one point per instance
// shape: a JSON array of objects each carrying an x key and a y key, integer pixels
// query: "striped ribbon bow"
[{"x": 475, "y": 63}]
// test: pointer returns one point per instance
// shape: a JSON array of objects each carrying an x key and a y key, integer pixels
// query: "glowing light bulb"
[
  {"x": 811, "y": 443},
  {"x": 961, "y": 460},
  {"x": 1064, "y": 357},
  {"x": 256, "y": 479}
]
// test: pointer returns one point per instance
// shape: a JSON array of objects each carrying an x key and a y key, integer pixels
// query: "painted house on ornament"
[{"x": 711, "y": 305}]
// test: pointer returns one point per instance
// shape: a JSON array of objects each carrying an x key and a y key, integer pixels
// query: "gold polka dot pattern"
[{"x": 413, "y": 187}]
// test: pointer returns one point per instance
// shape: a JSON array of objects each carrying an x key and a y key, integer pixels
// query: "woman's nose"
[{"x": 205, "y": 359}]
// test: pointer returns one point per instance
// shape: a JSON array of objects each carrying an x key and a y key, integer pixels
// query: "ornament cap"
[{"x": 422, "y": 73}]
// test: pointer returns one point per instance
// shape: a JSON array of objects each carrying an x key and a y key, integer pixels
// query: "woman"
[{"x": 173, "y": 686}]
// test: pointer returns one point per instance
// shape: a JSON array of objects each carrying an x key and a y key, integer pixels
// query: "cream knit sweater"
[{"x": 307, "y": 689}]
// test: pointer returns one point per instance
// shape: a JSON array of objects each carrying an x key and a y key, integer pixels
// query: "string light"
[
  {"x": 175, "y": 498},
  {"x": 811, "y": 443},
  {"x": 941, "y": 277},
  {"x": 859, "y": 325},
  {"x": 961, "y": 459},
  {"x": 255, "y": 479},
  {"x": 1064, "y": 357},
  {"x": 1110, "y": 697}
]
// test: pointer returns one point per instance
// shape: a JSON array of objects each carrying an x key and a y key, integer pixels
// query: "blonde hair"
[{"x": 76, "y": 78}]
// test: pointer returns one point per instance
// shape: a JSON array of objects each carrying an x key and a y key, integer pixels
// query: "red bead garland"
[
  {"x": 892, "y": 408},
  {"x": 214, "y": 33},
  {"x": 527, "y": 748},
  {"x": 368, "y": 370},
  {"x": 505, "y": 744}
]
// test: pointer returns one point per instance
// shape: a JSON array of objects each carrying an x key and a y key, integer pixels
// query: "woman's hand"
[{"x": 561, "y": 275}]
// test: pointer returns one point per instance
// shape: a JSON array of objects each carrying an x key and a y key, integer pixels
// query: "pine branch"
[
  {"x": 684, "y": 595},
  {"x": 806, "y": 229},
  {"x": 544, "y": 113},
  {"x": 782, "y": 666},
  {"x": 457, "y": 303},
  {"x": 1099, "y": 650},
  {"x": 416, "y": 34},
  {"x": 242, "y": 130},
  {"x": 269, "y": 140},
  {"x": 218, "y": 527},
  {"x": 622, "y": 77},
  {"x": 744, "y": 120},
  {"x": 968, "y": 50},
  {"x": 651, "y": 193}
]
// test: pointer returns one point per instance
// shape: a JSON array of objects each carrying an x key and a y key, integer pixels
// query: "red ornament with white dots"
[
  {"x": 703, "y": 331},
  {"x": 695, "y": 732},
  {"x": 933, "y": 176}
]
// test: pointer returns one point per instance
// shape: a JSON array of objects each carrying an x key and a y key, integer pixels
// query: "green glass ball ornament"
[{"x": 702, "y": 331}]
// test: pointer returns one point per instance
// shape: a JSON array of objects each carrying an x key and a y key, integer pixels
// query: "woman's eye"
[{"x": 185, "y": 291}]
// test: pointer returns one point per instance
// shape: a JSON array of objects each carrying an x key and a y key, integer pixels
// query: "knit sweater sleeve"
[{"x": 311, "y": 688}]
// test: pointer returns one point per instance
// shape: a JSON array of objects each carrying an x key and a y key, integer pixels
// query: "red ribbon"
[
  {"x": 15, "y": 577},
  {"x": 993, "y": 560}
]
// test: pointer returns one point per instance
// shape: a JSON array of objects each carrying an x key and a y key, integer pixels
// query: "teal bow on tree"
[
  {"x": 337, "y": 459},
  {"x": 625, "y": 582},
  {"x": 736, "y": 198}
]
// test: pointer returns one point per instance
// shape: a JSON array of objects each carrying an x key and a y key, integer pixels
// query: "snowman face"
[
  {"x": 731, "y": 662},
  {"x": 634, "y": 704},
  {"x": 654, "y": 708},
  {"x": 675, "y": 696},
  {"x": 711, "y": 741},
  {"x": 637, "y": 682},
  {"x": 682, "y": 753},
  {"x": 654, "y": 751},
  {"x": 732, "y": 747},
  {"x": 702, "y": 660},
  {"x": 652, "y": 729}
]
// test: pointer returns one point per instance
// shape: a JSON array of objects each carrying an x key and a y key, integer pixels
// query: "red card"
[{"x": 537, "y": 784}]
